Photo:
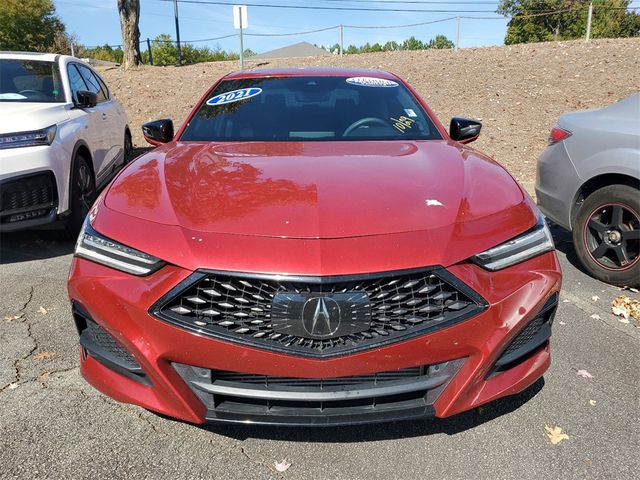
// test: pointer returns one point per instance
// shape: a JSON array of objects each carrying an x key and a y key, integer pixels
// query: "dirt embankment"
[{"x": 517, "y": 91}]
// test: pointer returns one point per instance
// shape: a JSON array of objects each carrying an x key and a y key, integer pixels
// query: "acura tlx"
[{"x": 312, "y": 247}]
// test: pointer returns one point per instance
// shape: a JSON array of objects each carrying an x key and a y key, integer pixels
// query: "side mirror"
[
  {"x": 464, "y": 130},
  {"x": 86, "y": 99},
  {"x": 158, "y": 131}
]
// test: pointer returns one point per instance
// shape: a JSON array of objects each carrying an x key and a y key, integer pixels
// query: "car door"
[
  {"x": 106, "y": 134},
  {"x": 92, "y": 133},
  {"x": 117, "y": 120}
]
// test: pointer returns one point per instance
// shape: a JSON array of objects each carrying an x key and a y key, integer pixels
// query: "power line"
[{"x": 319, "y": 7}]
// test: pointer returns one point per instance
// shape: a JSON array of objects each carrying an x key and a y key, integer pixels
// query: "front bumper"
[
  {"x": 34, "y": 185},
  {"x": 171, "y": 358}
]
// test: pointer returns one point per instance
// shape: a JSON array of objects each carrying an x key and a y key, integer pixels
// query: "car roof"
[
  {"x": 311, "y": 72},
  {"x": 46, "y": 57}
]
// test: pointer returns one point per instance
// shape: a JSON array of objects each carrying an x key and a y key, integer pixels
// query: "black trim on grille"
[
  {"x": 375, "y": 397},
  {"x": 31, "y": 196},
  {"x": 452, "y": 302},
  {"x": 536, "y": 333},
  {"x": 101, "y": 345}
]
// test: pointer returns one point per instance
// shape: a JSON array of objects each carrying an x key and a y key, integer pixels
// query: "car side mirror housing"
[
  {"x": 158, "y": 131},
  {"x": 464, "y": 130},
  {"x": 86, "y": 99}
]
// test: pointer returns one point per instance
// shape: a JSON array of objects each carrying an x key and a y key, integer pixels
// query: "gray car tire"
[{"x": 606, "y": 235}]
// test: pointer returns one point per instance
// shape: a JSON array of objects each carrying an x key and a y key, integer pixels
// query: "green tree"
[
  {"x": 440, "y": 42},
  {"x": 29, "y": 25},
  {"x": 610, "y": 19},
  {"x": 391, "y": 46},
  {"x": 165, "y": 52},
  {"x": 412, "y": 43}
]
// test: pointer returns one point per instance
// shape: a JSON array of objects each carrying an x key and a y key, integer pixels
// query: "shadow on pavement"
[
  {"x": 382, "y": 431},
  {"x": 564, "y": 243},
  {"x": 30, "y": 245}
]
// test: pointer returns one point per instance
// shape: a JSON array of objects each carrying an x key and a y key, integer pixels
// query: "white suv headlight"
[
  {"x": 28, "y": 139},
  {"x": 100, "y": 249},
  {"x": 528, "y": 245}
]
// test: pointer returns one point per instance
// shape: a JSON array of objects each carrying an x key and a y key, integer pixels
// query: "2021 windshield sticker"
[
  {"x": 402, "y": 123},
  {"x": 371, "y": 82},
  {"x": 234, "y": 96}
]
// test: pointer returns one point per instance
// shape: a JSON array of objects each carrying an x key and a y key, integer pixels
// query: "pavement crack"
[{"x": 25, "y": 320}]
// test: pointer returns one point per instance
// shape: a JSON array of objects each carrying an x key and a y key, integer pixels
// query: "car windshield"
[
  {"x": 310, "y": 108},
  {"x": 30, "y": 81}
]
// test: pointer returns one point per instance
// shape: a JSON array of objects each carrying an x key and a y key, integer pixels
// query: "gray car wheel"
[{"x": 606, "y": 235}]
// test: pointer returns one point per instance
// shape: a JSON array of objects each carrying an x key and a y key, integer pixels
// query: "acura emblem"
[{"x": 321, "y": 317}]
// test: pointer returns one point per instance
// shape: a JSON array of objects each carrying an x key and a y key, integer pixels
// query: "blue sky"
[{"x": 96, "y": 22}]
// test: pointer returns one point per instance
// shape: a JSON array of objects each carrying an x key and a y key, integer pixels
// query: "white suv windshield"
[
  {"x": 310, "y": 108},
  {"x": 30, "y": 81}
]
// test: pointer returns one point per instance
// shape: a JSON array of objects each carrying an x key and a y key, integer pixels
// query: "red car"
[{"x": 313, "y": 248}]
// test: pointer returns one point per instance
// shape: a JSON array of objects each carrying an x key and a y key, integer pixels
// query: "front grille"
[
  {"x": 247, "y": 397},
  {"x": 249, "y": 308},
  {"x": 28, "y": 193}
]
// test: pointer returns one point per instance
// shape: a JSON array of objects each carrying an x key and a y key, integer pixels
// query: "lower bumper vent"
[
  {"x": 533, "y": 336},
  {"x": 27, "y": 197},
  {"x": 239, "y": 397},
  {"x": 101, "y": 345}
]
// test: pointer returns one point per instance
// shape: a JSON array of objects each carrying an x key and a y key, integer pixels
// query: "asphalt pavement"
[{"x": 54, "y": 425}]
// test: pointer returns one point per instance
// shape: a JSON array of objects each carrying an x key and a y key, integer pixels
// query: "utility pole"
[
  {"x": 73, "y": 53},
  {"x": 589, "y": 22},
  {"x": 240, "y": 22},
  {"x": 341, "y": 40},
  {"x": 457, "y": 33},
  {"x": 175, "y": 12},
  {"x": 241, "y": 49}
]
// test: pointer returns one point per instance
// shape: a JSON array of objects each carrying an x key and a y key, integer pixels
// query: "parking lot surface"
[{"x": 54, "y": 425}]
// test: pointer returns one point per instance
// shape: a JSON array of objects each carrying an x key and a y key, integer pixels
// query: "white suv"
[{"x": 62, "y": 137}]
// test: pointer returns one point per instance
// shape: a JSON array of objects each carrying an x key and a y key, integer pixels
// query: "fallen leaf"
[
  {"x": 282, "y": 466},
  {"x": 584, "y": 374},
  {"x": 10, "y": 318},
  {"x": 595, "y": 316},
  {"x": 625, "y": 307},
  {"x": 562, "y": 323},
  {"x": 555, "y": 434},
  {"x": 565, "y": 301},
  {"x": 592, "y": 403},
  {"x": 595, "y": 298},
  {"x": 44, "y": 355},
  {"x": 13, "y": 386},
  {"x": 42, "y": 310}
]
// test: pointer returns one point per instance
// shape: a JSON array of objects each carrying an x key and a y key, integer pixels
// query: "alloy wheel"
[{"x": 612, "y": 236}]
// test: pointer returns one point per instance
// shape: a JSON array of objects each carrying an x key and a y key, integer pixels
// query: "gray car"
[{"x": 588, "y": 182}]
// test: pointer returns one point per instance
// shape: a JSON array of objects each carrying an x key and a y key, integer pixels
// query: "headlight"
[
  {"x": 100, "y": 249},
  {"x": 28, "y": 139},
  {"x": 528, "y": 245}
]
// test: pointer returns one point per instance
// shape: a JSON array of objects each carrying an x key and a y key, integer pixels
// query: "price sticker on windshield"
[
  {"x": 234, "y": 96},
  {"x": 371, "y": 82}
]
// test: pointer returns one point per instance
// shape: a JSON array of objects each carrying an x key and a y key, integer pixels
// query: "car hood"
[
  {"x": 24, "y": 117},
  {"x": 312, "y": 189}
]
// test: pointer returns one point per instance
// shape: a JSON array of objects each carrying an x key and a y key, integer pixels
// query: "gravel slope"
[{"x": 517, "y": 91}]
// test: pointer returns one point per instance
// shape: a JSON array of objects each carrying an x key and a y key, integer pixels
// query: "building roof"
[{"x": 302, "y": 49}]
